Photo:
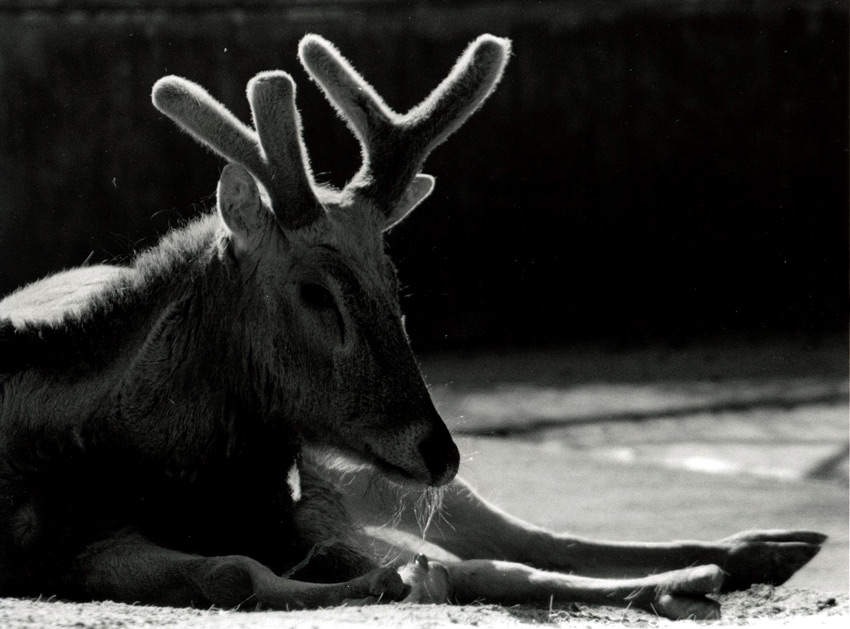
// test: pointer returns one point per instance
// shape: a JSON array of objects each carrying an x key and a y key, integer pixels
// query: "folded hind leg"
[{"x": 129, "y": 568}]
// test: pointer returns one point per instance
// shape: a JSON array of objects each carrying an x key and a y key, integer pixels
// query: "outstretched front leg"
[
  {"x": 750, "y": 557},
  {"x": 130, "y": 568},
  {"x": 678, "y": 595}
]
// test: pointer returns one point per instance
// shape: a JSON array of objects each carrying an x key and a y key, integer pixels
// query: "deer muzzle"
[
  {"x": 422, "y": 453},
  {"x": 440, "y": 454}
]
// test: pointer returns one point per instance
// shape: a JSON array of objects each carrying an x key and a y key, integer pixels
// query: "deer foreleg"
[
  {"x": 678, "y": 594},
  {"x": 751, "y": 557}
]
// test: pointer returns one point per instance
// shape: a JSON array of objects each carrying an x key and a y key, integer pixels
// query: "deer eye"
[
  {"x": 317, "y": 296},
  {"x": 319, "y": 299}
]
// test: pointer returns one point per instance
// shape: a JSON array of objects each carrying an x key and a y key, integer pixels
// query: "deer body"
[
  {"x": 170, "y": 430},
  {"x": 121, "y": 416}
]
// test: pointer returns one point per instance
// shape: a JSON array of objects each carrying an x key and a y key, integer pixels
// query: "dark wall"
[{"x": 645, "y": 170}]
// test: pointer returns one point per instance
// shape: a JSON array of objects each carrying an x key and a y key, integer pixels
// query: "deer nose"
[{"x": 440, "y": 454}]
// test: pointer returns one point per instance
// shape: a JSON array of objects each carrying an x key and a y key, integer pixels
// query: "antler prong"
[
  {"x": 208, "y": 121},
  {"x": 472, "y": 79},
  {"x": 272, "y": 99}
]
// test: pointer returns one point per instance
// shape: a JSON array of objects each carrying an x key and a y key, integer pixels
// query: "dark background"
[{"x": 646, "y": 170}]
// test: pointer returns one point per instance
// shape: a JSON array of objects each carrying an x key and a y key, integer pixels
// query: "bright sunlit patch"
[
  {"x": 709, "y": 465},
  {"x": 625, "y": 455}
]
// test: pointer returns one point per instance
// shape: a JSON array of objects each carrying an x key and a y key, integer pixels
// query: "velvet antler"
[
  {"x": 274, "y": 153},
  {"x": 394, "y": 146}
]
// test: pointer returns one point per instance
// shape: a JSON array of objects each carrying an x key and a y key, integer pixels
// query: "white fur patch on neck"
[{"x": 293, "y": 479}]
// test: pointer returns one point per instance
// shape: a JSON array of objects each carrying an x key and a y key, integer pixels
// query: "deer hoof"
[
  {"x": 686, "y": 607},
  {"x": 770, "y": 557},
  {"x": 428, "y": 581},
  {"x": 681, "y": 594},
  {"x": 386, "y": 585}
]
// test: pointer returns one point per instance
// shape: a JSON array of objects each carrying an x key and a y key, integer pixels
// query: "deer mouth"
[
  {"x": 348, "y": 457},
  {"x": 392, "y": 471},
  {"x": 395, "y": 472},
  {"x": 434, "y": 462}
]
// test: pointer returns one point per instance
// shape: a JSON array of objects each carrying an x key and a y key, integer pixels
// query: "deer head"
[{"x": 327, "y": 324}]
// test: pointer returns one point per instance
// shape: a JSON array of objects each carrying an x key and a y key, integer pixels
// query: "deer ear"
[
  {"x": 416, "y": 193},
  {"x": 240, "y": 206}
]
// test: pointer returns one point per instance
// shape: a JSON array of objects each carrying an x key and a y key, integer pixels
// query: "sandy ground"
[
  {"x": 761, "y": 607},
  {"x": 657, "y": 444}
]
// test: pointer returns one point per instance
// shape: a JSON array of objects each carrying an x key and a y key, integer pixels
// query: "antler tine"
[
  {"x": 273, "y": 163},
  {"x": 272, "y": 99},
  {"x": 394, "y": 146},
  {"x": 472, "y": 79},
  {"x": 354, "y": 99},
  {"x": 208, "y": 121}
]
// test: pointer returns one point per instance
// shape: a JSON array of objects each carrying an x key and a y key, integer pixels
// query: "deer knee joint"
[{"x": 228, "y": 581}]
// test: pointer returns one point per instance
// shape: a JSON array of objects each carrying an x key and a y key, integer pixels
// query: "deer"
[{"x": 236, "y": 418}]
